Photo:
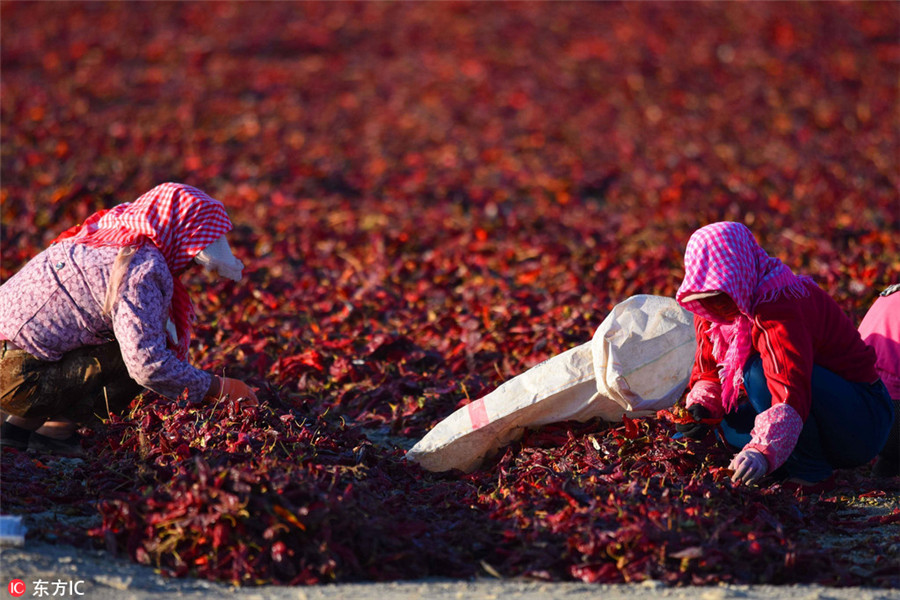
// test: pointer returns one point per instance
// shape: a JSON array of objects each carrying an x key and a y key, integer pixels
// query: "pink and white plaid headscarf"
[
  {"x": 178, "y": 219},
  {"x": 725, "y": 257}
]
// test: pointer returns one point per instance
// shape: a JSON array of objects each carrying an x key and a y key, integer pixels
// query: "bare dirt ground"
[{"x": 108, "y": 578}]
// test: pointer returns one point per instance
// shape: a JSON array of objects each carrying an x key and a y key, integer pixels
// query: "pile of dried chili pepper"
[{"x": 256, "y": 495}]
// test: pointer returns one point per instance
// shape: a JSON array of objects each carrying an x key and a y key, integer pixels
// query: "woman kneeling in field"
[{"x": 814, "y": 400}]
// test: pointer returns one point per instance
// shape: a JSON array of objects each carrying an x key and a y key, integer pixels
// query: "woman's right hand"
[{"x": 227, "y": 387}]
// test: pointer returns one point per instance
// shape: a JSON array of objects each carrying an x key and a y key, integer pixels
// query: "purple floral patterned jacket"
[{"x": 54, "y": 304}]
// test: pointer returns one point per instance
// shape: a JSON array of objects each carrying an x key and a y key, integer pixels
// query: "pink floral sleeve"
[{"x": 775, "y": 434}]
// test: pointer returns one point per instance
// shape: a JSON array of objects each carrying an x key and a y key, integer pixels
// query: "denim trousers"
[{"x": 848, "y": 422}]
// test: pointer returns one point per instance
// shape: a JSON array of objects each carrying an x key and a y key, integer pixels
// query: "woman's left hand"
[{"x": 748, "y": 466}]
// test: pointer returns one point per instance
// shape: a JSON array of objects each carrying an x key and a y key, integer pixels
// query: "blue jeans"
[{"x": 847, "y": 426}]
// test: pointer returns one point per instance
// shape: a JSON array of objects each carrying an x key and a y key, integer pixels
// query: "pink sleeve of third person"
[{"x": 880, "y": 329}]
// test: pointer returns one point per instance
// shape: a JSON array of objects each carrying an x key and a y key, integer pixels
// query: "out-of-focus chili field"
[{"x": 431, "y": 198}]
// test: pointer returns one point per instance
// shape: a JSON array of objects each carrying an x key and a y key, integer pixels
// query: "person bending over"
[{"x": 102, "y": 314}]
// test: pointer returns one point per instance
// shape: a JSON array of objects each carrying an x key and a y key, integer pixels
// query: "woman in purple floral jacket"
[{"x": 102, "y": 314}]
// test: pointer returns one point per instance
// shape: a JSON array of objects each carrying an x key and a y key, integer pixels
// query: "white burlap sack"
[
  {"x": 555, "y": 390},
  {"x": 643, "y": 354},
  {"x": 638, "y": 361}
]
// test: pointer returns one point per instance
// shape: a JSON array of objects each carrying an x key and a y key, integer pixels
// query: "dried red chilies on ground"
[{"x": 430, "y": 199}]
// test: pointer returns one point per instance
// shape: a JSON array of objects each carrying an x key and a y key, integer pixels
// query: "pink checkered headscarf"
[
  {"x": 725, "y": 257},
  {"x": 178, "y": 219}
]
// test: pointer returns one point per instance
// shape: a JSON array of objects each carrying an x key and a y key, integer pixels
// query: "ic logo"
[{"x": 16, "y": 587}]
